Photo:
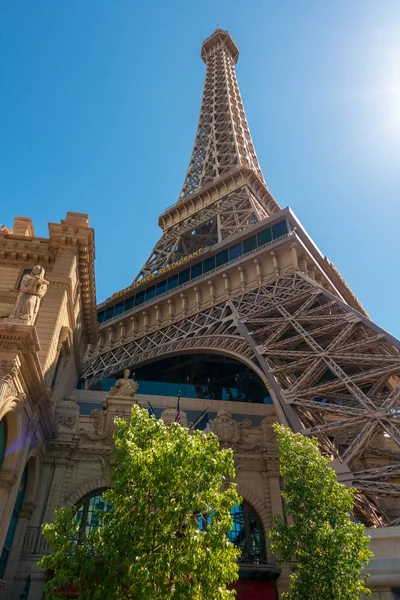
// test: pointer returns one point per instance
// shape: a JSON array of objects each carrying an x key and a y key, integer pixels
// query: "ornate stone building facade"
[{"x": 237, "y": 311}]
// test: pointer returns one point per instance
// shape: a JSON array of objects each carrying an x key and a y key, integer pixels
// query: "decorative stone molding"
[
  {"x": 67, "y": 418},
  {"x": 27, "y": 510},
  {"x": 85, "y": 488},
  {"x": 259, "y": 506},
  {"x": 99, "y": 428},
  {"x": 226, "y": 428},
  {"x": 7, "y": 479},
  {"x": 169, "y": 415},
  {"x": 268, "y": 435},
  {"x": 8, "y": 386},
  {"x": 233, "y": 434}
]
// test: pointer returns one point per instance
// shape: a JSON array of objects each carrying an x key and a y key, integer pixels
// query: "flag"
[
  {"x": 178, "y": 410},
  {"x": 202, "y": 422},
  {"x": 151, "y": 411}
]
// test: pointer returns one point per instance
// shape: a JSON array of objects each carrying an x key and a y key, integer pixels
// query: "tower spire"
[{"x": 223, "y": 140}]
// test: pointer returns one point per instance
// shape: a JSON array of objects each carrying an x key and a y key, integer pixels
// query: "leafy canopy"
[
  {"x": 329, "y": 550},
  {"x": 150, "y": 544}
]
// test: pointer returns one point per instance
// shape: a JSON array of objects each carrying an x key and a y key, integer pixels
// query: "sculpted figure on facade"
[
  {"x": 33, "y": 288},
  {"x": 226, "y": 428},
  {"x": 98, "y": 431},
  {"x": 4, "y": 230},
  {"x": 240, "y": 436},
  {"x": 125, "y": 387}
]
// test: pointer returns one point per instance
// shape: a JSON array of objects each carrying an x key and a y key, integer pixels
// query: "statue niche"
[
  {"x": 33, "y": 288},
  {"x": 125, "y": 387}
]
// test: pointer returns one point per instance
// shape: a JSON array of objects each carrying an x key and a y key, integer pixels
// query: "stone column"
[{"x": 56, "y": 489}]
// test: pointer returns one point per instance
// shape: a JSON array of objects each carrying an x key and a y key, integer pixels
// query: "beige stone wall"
[
  {"x": 78, "y": 462},
  {"x": 10, "y": 276},
  {"x": 28, "y": 357}
]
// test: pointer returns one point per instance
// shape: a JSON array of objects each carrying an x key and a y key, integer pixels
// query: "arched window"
[
  {"x": 88, "y": 508},
  {"x": 3, "y": 440},
  {"x": 13, "y": 524},
  {"x": 247, "y": 531},
  {"x": 247, "y": 534}
]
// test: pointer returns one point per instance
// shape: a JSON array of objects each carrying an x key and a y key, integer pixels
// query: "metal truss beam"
[
  {"x": 231, "y": 214},
  {"x": 329, "y": 368}
]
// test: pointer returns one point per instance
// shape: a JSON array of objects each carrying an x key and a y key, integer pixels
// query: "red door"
[{"x": 255, "y": 590}]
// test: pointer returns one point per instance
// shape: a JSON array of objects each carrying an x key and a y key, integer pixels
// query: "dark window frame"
[
  {"x": 84, "y": 503},
  {"x": 221, "y": 258}
]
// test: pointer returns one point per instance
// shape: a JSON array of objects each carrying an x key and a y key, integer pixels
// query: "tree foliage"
[
  {"x": 326, "y": 548},
  {"x": 150, "y": 544}
]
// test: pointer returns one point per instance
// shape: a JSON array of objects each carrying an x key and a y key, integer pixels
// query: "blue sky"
[{"x": 99, "y": 104}]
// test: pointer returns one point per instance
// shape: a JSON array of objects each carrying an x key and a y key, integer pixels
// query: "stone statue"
[
  {"x": 4, "y": 230},
  {"x": 125, "y": 387},
  {"x": 33, "y": 288}
]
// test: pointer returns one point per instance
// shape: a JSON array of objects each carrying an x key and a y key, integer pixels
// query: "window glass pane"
[
  {"x": 196, "y": 270},
  {"x": 279, "y": 229},
  {"x": 172, "y": 282},
  {"x": 11, "y": 530},
  {"x": 249, "y": 244},
  {"x": 209, "y": 264},
  {"x": 247, "y": 534},
  {"x": 13, "y": 524},
  {"x": 3, "y": 561},
  {"x": 222, "y": 258},
  {"x": 139, "y": 298},
  {"x": 161, "y": 287},
  {"x": 184, "y": 276},
  {"x": 237, "y": 533},
  {"x": 90, "y": 511},
  {"x": 150, "y": 292},
  {"x": 264, "y": 236},
  {"x": 129, "y": 302},
  {"x": 119, "y": 308},
  {"x": 235, "y": 251},
  {"x": 100, "y": 316},
  {"x": 21, "y": 492},
  {"x": 109, "y": 313}
]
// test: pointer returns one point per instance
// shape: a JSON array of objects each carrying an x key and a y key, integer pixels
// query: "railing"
[
  {"x": 34, "y": 542},
  {"x": 206, "y": 390},
  {"x": 239, "y": 259}
]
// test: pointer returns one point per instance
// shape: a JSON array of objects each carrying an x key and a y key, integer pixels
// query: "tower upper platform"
[{"x": 219, "y": 37}]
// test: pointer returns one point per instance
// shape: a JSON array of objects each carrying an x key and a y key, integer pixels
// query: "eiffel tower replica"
[{"x": 235, "y": 275}]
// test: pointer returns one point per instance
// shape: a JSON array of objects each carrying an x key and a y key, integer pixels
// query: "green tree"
[
  {"x": 326, "y": 549},
  {"x": 165, "y": 480}
]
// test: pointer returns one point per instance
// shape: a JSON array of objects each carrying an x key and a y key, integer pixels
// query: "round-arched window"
[
  {"x": 88, "y": 511},
  {"x": 247, "y": 534},
  {"x": 247, "y": 531},
  {"x": 3, "y": 440}
]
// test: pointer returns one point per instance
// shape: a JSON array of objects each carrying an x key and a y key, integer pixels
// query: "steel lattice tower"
[{"x": 234, "y": 274}]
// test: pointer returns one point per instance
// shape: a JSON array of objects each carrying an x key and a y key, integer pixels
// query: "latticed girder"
[
  {"x": 222, "y": 147},
  {"x": 223, "y": 138},
  {"x": 333, "y": 373},
  {"x": 232, "y": 214}
]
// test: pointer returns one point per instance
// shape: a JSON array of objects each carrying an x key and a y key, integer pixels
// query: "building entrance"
[{"x": 255, "y": 590}]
